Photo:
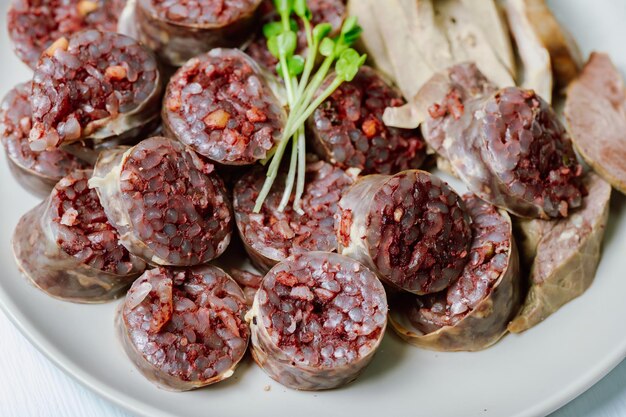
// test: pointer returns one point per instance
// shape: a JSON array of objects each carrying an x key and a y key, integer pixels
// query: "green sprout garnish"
[{"x": 301, "y": 85}]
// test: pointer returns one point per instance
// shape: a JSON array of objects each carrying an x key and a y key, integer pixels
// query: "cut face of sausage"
[
  {"x": 35, "y": 24},
  {"x": 317, "y": 320},
  {"x": 93, "y": 85},
  {"x": 221, "y": 105},
  {"x": 322, "y": 11},
  {"x": 67, "y": 247},
  {"x": 271, "y": 235},
  {"x": 38, "y": 172},
  {"x": 595, "y": 110},
  {"x": 180, "y": 30},
  {"x": 349, "y": 132},
  {"x": 184, "y": 328},
  {"x": 508, "y": 146},
  {"x": 566, "y": 255},
  {"x": 410, "y": 228},
  {"x": 473, "y": 313},
  {"x": 168, "y": 205}
]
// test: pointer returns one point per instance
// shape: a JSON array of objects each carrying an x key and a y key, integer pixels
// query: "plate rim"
[{"x": 15, "y": 315}]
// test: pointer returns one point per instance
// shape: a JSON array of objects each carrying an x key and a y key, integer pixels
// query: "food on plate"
[
  {"x": 93, "y": 85},
  {"x": 429, "y": 36},
  {"x": 322, "y": 11},
  {"x": 317, "y": 321},
  {"x": 34, "y": 25},
  {"x": 472, "y": 313},
  {"x": 66, "y": 246},
  {"x": 180, "y": 30},
  {"x": 273, "y": 234},
  {"x": 168, "y": 205},
  {"x": 184, "y": 328},
  {"x": 595, "y": 110},
  {"x": 348, "y": 130},
  {"x": 566, "y": 256},
  {"x": 222, "y": 106},
  {"x": 38, "y": 172},
  {"x": 508, "y": 145},
  {"x": 411, "y": 229}
]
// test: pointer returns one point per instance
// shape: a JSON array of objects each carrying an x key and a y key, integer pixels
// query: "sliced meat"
[
  {"x": 168, "y": 205},
  {"x": 35, "y": 24},
  {"x": 184, "y": 328},
  {"x": 473, "y": 313},
  {"x": 411, "y": 229},
  {"x": 180, "y": 30},
  {"x": 93, "y": 85},
  {"x": 272, "y": 235},
  {"x": 348, "y": 130},
  {"x": 38, "y": 172},
  {"x": 66, "y": 246},
  {"x": 567, "y": 256},
  {"x": 317, "y": 321},
  {"x": 508, "y": 145},
  {"x": 322, "y": 11},
  {"x": 595, "y": 110},
  {"x": 222, "y": 106}
]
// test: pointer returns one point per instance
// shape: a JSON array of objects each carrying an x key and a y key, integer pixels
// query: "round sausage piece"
[
  {"x": 322, "y": 11},
  {"x": 317, "y": 320},
  {"x": 38, "y": 172},
  {"x": 507, "y": 145},
  {"x": 271, "y": 235},
  {"x": 473, "y": 313},
  {"x": 349, "y": 132},
  {"x": 94, "y": 85},
  {"x": 180, "y": 30},
  {"x": 410, "y": 228},
  {"x": 168, "y": 205},
  {"x": 67, "y": 247},
  {"x": 221, "y": 105},
  {"x": 35, "y": 24},
  {"x": 184, "y": 328}
]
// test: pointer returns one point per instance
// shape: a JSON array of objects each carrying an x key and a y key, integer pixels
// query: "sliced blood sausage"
[
  {"x": 221, "y": 105},
  {"x": 473, "y": 313},
  {"x": 184, "y": 329},
  {"x": 317, "y": 320},
  {"x": 35, "y": 24},
  {"x": 249, "y": 282},
  {"x": 595, "y": 110},
  {"x": 411, "y": 229},
  {"x": 168, "y": 205},
  {"x": 566, "y": 254},
  {"x": 67, "y": 247},
  {"x": 508, "y": 146},
  {"x": 272, "y": 235},
  {"x": 322, "y": 11},
  {"x": 38, "y": 172},
  {"x": 180, "y": 30},
  {"x": 93, "y": 85},
  {"x": 349, "y": 132}
]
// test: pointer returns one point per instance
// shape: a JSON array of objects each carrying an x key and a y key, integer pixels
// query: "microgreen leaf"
[
  {"x": 321, "y": 31},
  {"x": 272, "y": 29},
  {"x": 283, "y": 7},
  {"x": 327, "y": 47},
  {"x": 349, "y": 25},
  {"x": 348, "y": 64},
  {"x": 287, "y": 43},
  {"x": 302, "y": 10},
  {"x": 351, "y": 36},
  {"x": 272, "y": 46},
  {"x": 296, "y": 65}
]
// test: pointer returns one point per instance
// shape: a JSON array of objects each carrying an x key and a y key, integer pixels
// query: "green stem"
[
  {"x": 310, "y": 59},
  {"x": 315, "y": 84},
  {"x": 297, "y": 203},
  {"x": 291, "y": 176}
]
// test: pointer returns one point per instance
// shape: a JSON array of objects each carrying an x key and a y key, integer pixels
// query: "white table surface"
[{"x": 30, "y": 386}]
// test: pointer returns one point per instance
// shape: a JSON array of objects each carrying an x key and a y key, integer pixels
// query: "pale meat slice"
[
  {"x": 595, "y": 110},
  {"x": 564, "y": 53},
  {"x": 567, "y": 256},
  {"x": 537, "y": 67}
]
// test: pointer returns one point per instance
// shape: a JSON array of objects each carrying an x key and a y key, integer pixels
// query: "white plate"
[{"x": 528, "y": 375}]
